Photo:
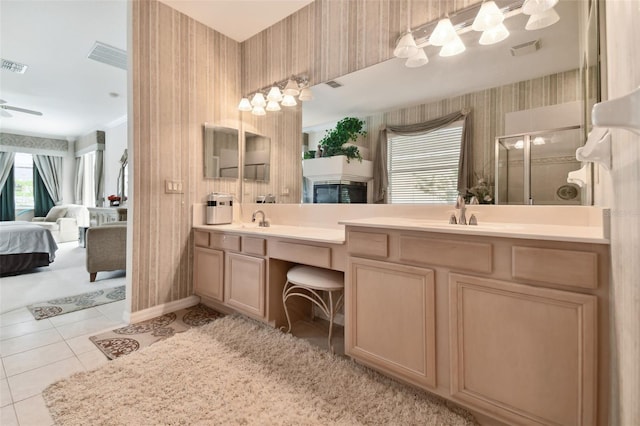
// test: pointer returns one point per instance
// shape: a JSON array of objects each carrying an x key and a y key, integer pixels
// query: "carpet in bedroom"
[{"x": 66, "y": 276}]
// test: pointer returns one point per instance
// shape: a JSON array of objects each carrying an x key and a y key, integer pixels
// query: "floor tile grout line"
[
  {"x": 35, "y": 347},
  {"x": 44, "y": 365}
]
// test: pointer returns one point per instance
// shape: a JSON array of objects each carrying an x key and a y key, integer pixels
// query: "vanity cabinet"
[
  {"x": 515, "y": 329},
  {"x": 525, "y": 352},
  {"x": 245, "y": 284},
  {"x": 391, "y": 322},
  {"x": 208, "y": 267}
]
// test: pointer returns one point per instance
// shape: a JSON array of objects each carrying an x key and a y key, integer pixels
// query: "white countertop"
[
  {"x": 580, "y": 234},
  {"x": 306, "y": 233}
]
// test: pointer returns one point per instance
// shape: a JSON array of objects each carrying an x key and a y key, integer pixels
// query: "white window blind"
[{"x": 423, "y": 169}]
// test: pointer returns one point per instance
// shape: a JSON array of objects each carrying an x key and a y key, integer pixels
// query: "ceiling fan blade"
[
  {"x": 5, "y": 113},
  {"x": 27, "y": 111}
]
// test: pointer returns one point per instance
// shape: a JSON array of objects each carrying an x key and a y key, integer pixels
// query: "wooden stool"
[{"x": 307, "y": 281}]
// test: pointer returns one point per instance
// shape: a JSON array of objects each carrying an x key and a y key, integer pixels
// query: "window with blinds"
[{"x": 423, "y": 169}]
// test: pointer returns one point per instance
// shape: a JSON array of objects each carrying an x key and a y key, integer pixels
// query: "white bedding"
[{"x": 26, "y": 237}]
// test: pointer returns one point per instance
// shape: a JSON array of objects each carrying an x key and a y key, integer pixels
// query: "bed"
[{"x": 24, "y": 246}]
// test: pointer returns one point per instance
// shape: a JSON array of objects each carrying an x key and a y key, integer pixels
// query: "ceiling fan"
[{"x": 5, "y": 113}]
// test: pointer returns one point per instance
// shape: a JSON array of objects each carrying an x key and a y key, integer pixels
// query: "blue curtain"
[
  {"x": 42, "y": 201},
  {"x": 7, "y": 199}
]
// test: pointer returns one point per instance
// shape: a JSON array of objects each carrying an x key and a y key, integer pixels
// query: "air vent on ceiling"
[
  {"x": 333, "y": 83},
  {"x": 525, "y": 48},
  {"x": 109, "y": 55},
  {"x": 13, "y": 66}
]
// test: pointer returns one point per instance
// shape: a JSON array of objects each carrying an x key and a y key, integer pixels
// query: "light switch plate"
[{"x": 173, "y": 186}]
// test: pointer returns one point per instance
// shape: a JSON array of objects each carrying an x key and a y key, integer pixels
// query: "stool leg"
[
  {"x": 284, "y": 303},
  {"x": 331, "y": 314}
]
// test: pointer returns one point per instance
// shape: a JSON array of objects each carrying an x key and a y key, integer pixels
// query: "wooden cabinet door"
[
  {"x": 245, "y": 284},
  {"x": 525, "y": 353},
  {"x": 208, "y": 273},
  {"x": 390, "y": 317}
]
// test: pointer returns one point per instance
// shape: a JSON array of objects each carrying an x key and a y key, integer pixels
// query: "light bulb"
[
  {"x": 539, "y": 140},
  {"x": 542, "y": 20},
  {"x": 406, "y": 46},
  {"x": 258, "y": 110},
  {"x": 519, "y": 144},
  {"x": 244, "y": 105},
  {"x": 306, "y": 95},
  {"x": 454, "y": 47},
  {"x": 494, "y": 35},
  {"x": 273, "y": 106},
  {"x": 274, "y": 94},
  {"x": 534, "y": 7},
  {"x": 289, "y": 100},
  {"x": 443, "y": 33},
  {"x": 488, "y": 17},
  {"x": 258, "y": 100},
  {"x": 417, "y": 60},
  {"x": 291, "y": 88}
]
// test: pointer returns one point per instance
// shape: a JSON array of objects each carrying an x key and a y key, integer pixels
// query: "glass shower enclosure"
[{"x": 532, "y": 168}]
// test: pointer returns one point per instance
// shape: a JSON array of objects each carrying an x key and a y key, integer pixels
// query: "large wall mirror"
[
  {"x": 534, "y": 81},
  {"x": 221, "y": 152},
  {"x": 257, "y": 153}
]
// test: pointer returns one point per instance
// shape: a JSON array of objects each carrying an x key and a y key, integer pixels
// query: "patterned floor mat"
[
  {"x": 64, "y": 305},
  {"x": 123, "y": 341}
]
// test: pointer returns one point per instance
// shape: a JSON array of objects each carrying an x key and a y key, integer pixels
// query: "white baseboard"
[{"x": 156, "y": 311}]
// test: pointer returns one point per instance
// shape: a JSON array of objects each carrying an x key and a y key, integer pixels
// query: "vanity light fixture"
[
  {"x": 535, "y": 7},
  {"x": 494, "y": 35},
  {"x": 539, "y": 140},
  {"x": 542, "y": 20},
  {"x": 487, "y": 17},
  {"x": 282, "y": 93},
  {"x": 519, "y": 144}
]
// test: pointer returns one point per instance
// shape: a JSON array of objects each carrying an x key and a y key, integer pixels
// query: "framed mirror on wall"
[
  {"x": 257, "y": 157},
  {"x": 528, "y": 72},
  {"x": 221, "y": 152}
]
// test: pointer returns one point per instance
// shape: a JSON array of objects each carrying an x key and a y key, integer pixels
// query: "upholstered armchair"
[
  {"x": 106, "y": 248},
  {"x": 63, "y": 221}
]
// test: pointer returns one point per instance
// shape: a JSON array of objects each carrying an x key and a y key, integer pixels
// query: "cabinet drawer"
[
  {"x": 201, "y": 238},
  {"x": 565, "y": 267},
  {"x": 257, "y": 246},
  {"x": 367, "y": 244},
  {"x": 301, "y": 253},
  {"x": 452, "y": 253},
  {"x": 225, "y": 241}
]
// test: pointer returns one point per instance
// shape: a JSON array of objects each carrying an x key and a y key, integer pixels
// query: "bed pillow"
[{"x": 55, "y": 213}]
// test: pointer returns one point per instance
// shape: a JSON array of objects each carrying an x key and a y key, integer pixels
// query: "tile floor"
[{"x": 35, "y": 354}]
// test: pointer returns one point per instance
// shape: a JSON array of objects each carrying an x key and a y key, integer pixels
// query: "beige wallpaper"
[{"x": 184, "y": 74}]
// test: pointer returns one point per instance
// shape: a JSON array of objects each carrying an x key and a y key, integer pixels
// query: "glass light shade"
[
  {"x": 273, "y": 106},
  {"x": 417, "y": 60},
  {"x": 494, "y": 35},
  {"x": 542, "y": 20},
  {"x": 291, "y": 88},
  {"x": 258, "y": 100},
  {"x": 539, "y": 140},
  {"x": 519, "y": 144},
  {"x": 306, "y": 95},
  {"x": 406, "y": 47},
  {"x": 274, "y": 94},
  {"x": 454, "y": 47},
  {"x": 443, "y": 33},
  {"x": 535, "y": 7},
  {"x": 258, "y": 111},
  {"x": 244, "y": 105},
  {"x": 488, "y": 17},
  {"x": 289, "y": 100}
]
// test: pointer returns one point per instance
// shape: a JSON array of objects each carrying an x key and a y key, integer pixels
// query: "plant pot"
[{"x": 337, "y": 168}]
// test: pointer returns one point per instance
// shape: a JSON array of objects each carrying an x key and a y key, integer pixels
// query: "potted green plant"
[{"x": 347, "y": 129}]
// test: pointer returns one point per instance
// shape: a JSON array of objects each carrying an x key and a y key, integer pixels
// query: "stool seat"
[{"x": 316, "y": 278}]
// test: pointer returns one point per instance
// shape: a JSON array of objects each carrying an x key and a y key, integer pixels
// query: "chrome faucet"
[
  {"x": 461, "y": 206},
  {"x": 264, "y": 223}
]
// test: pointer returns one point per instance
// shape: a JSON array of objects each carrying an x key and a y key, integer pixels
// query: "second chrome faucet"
[
  {"x": 461, "y": 207},
  {"x": 264, "y": 223}
]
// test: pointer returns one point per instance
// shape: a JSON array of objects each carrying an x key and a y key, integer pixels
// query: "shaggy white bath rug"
[{"x": 238, "y": 371}]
